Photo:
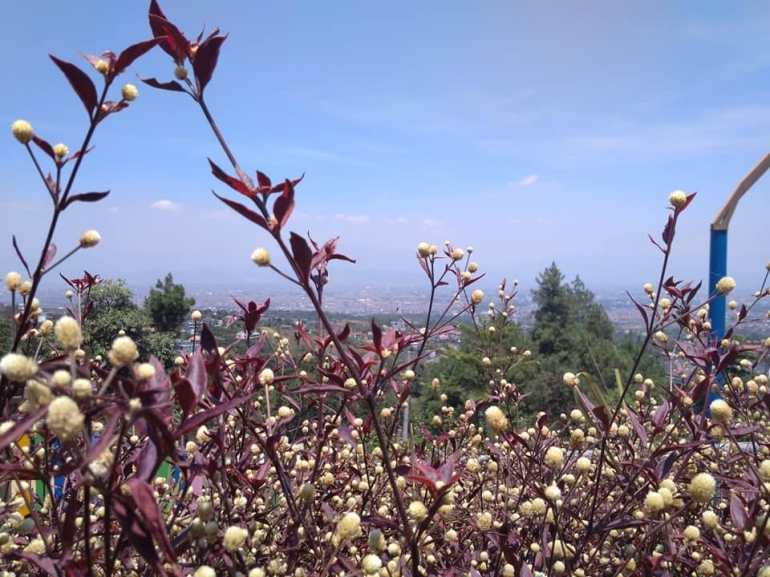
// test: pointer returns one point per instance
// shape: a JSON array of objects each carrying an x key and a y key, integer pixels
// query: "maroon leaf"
[
  {"x": 302, "y": 255},
  {"x": 206, "y": 57},
  {"x": 196, "y": 374},
  {"x": 77, "y": 154},
  {"x": 143, "y": 496},
  {"x": 686, "y": 204},
  {"x": 147, "y": 461},
  {"x": 51, "y": 183},
  {"x": 133, "y": 52},
  {"x": 376, "y": 335},
  {"x": 263, "y": 180},
  {"x": 738, "y": 513},
  {"x": 404, "y": 394},
  {"x": 230, "y": 181},
  {"x": 664, "y": 466},
  {"x": 21, "y": 257},
  {"x": 208, "y": 341},
  {"x": 640, "y": 308},
  {"x": 661, "y": 414},
  {"x": 49, "y": 254},
  {"x": 284, "y": 204},
  {"x": 668, "y": 230},
  {"x": 172, "y": 85},
  {"x": 80, "y": 81},
  {"x": 185, "y": 396},
  {"x": 199, "y": 418},
  {"x": 637, "y": 426},
  {"x": 172, "y": 41},
  {"x": 243, "y": 211},
  {"x": 655, "y": 242},
  {"x": 344, "y": 333},
  {"x": 85, "y": 197},
  {"x": 44, "y": 146},
  {"x": 600, "y": 412}
]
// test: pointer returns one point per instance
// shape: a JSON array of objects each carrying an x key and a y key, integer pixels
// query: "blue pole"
[
  {"x": 718, "y": 308},
  {"x": 717, "y": 270}
]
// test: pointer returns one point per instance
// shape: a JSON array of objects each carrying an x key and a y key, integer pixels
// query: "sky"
[{"x": 534, "y": 131}]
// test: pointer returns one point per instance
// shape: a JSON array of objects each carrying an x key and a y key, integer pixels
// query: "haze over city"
[{"x": 533, "y": 131}]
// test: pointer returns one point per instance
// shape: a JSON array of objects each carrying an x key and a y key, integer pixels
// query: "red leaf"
[
  {"x": 284, "y": 204},
  {"x": 44, "y": 146},
  {"x": 143, "y": 496},
  {"x": 133, "y": 52},
  {"x": 344, "y": 333},
  {"x": 199, "y": 418},
  {"x": 230, "y": 181},
  {"x": 173, "y": 85},
  {"x": 80, "y": 81},
  {"x": 185, "y": 396},
  {"x": 243, "y": 211},
  {"x": 85, "y": 197},
  {"x": 206, "y": 57},
  {"x": 263, "y": 180},
  {"x": 147, "y": 461},
  {"x": 208, "y": 341},
  {"x": 686, "y": 204},
  {"x": 376, "y": 335},
  {"x": 661, "y": 414},
  {"x": 738, "y": 513},
  {"x": 653, "y": 241},
  {"x": 668, "y": 230},
  {"x": 302, "y": 255},
  {"x": 172, "y": 41},
  {"x": 196, "y": 374},
  {"x": 77, "y": 154}
]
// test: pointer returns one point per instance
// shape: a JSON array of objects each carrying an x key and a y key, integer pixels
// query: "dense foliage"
[
  {"x": 290, "y": 458},
  {"x": 570, "y": 332}
]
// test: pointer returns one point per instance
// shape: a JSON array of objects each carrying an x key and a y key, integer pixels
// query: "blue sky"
[{"x": 534, "y": 131}]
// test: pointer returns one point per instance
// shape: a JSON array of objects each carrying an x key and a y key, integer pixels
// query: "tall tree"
[
  {"x": 168, "y": 305},
  {"x": 114, "y": 310},
  {"x": 572, "y": 332}
]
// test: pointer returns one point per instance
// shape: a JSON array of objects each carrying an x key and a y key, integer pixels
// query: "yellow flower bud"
[
  {"x": 129, "y": 92},
  {"x": 22, "y": 131},
  {"x": 261, "y": 257},
  {"x": 89, "y": 238}
]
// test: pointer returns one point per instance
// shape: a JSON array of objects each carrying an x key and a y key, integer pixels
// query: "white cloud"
[
  {"x": 526, "y": 181},
  {"x": 166, "y": 205},
  {"x": 431, "y": 222},
  {"x": 399, "y": 220},
  {"x": 113, "y": 209},
  {"x": 354, "y": 218}
]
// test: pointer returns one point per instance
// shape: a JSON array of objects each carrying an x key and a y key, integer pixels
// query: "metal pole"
[{"x": 718, "y": 248}]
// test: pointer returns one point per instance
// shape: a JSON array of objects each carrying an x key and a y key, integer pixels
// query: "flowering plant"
[{"x": 295, "y": 460}]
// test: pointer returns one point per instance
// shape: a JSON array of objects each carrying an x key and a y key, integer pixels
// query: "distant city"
[{"x": 380, "y": 299}]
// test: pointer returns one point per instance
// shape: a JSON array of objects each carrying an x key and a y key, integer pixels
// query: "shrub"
[{"x": 290, "y": 459}]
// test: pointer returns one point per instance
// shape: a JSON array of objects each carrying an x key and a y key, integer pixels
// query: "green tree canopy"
[
  {"x": 571, "y": 333},
  {"x": 168, "y": 305},
  {"x": 114, "y": 310}
]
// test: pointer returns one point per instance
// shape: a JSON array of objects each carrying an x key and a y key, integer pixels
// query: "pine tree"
[{"x": 168, "y": 305}]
